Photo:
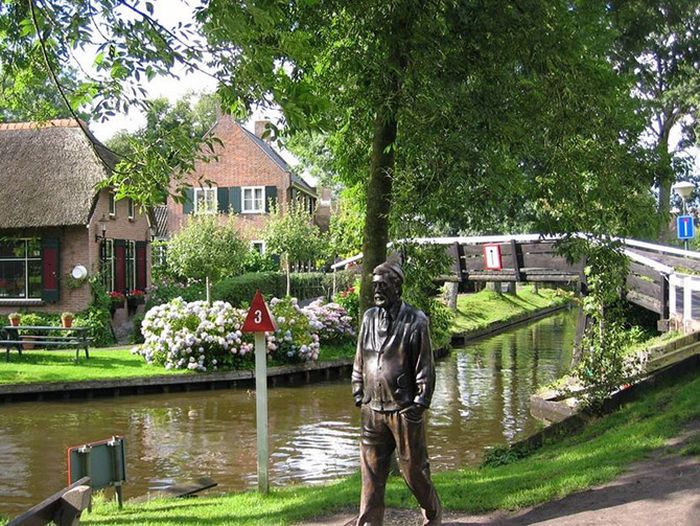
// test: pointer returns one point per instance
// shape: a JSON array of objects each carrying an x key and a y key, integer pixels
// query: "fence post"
[
  {"x": 671, "y": 295},
  {"x": 687, "y": 299}
]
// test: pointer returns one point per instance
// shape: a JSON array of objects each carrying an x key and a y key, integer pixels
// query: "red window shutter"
[
  {"x": 119, "y": 265},
  {"x": 50, "y": 269},
  {"x": 141, "y": 265}
]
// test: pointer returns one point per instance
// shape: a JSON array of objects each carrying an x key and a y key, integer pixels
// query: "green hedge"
[
  {"x": 304, "y": 285},
  {"x": 239, "y": 290}
]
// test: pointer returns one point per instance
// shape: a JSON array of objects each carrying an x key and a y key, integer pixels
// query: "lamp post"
[{"x": 684, "y": 189}]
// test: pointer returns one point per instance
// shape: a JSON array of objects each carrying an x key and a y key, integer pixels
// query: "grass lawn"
[
  {"x": 478, "y": 310},
  {"x": 598, "y": 454},
  {"x": 54, "y": 366},
  {"x": 103, "y": 364}
]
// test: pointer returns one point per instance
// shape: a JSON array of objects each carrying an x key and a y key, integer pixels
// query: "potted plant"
[
  {"x": 27, "y": 335},
  {"x": 67, "y": 319},
  {"x": 134, "y": 298},
  {"x": 14, "y": 318},
  {"x": 117, "y": 301}
]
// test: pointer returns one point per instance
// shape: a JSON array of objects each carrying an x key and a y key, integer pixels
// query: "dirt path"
[{"x": 663, "y": 490}]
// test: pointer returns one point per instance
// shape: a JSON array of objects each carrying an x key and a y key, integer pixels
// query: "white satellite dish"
[{"x": 79, "y": 272}]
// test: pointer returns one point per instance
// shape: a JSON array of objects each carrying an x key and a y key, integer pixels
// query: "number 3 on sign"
[{"x": 258, "y": 316}]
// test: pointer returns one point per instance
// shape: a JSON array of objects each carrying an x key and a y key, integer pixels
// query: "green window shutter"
[
  {"x": 50, "y": 270},
  {"x": 235, "y": 199},
  {"x": 188, "y": 205},
  {"x": 222, "y": 197},
  {"x": 270, "y": 197}
]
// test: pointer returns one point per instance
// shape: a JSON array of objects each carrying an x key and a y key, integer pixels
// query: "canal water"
[{"x": 481, "y": 399}]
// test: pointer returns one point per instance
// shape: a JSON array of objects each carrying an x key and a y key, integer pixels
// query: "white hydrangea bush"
[
  {"x": 197, "y": 336},
  {"x": 207, "y": 337}
]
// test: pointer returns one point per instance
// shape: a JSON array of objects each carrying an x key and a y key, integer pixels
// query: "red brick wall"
[
  {"x": 241, "y": 162},
  {"x": 78, "y": 247}
]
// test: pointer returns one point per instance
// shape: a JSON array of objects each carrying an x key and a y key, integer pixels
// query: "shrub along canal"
[{"x": 481, "y": 399}]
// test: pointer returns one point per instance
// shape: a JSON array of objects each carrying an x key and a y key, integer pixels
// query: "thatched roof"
[{"x": 48, "y": 173}]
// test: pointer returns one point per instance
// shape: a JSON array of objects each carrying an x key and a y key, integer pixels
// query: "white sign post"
[
  {"x": 259, "y": 322},
  {"x": 261, "y": 410}
]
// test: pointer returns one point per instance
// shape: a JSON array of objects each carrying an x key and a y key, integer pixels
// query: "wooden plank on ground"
[
  {"x": 56, "y": 508},
  {"x": 187, "y": 489}
]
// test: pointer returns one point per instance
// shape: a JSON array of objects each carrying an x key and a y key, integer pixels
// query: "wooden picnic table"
[{"x": 17, "y": 336}]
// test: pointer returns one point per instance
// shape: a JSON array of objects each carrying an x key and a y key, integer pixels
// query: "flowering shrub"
[
  {"x": 330, "y": 320},
  {"x": 197, "y": 336},
  {"x": 350, "y": 300},
  {"x": 116, "y": 296},
  {"x": 135, "y": 293},
  {"x": 207, "y": 337},
  {"x": 293, "y": 341}
]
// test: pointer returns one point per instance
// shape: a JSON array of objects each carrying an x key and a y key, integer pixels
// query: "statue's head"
[{"x": 387, "y": 281}]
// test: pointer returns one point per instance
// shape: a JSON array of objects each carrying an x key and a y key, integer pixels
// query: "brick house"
[
  {"x": 248, "y": 177},
  {"x": 55, "y": 225}
]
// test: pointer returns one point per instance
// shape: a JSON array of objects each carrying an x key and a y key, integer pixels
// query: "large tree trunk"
[
  {"x": 664, "y": 180},
  {"x": 376, "y": 233},
  {"x": 381, "y": 172}
]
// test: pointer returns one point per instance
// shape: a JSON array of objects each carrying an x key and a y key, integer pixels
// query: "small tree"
[
  {"x": 291, "y": 234},
  {"x": 206, "y": 248}
]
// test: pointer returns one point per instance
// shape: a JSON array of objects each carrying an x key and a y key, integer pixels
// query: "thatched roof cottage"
[{"x": 55, "y": 224}]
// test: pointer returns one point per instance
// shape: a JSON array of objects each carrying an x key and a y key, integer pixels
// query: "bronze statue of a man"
[{"x": 393, "y": 379}]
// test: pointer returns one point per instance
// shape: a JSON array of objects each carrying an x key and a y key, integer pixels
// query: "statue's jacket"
[{"x": 396, "y": 371}]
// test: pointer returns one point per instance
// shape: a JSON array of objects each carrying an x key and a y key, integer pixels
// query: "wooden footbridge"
[{"x": 664, "y": 280}]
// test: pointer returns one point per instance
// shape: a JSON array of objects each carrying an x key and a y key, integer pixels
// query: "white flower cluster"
[
  {"x": 197, "y": 336},
  {"x": 207, "y": 337}
]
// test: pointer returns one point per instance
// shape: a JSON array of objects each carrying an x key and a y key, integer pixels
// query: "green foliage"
[
  {"x": 254, "y": 261},
  {"x": 166, "y": 290},
  {"x": 604, "y": 366},
  {"x": 206, "y": 247},
  {"x": 239, "y": 290},
  {"x": 347, "y": 223},
  {"x": 423, "y": 265},
  {"x": 291, "y": 233},
  {"x": 98, "y": 316},
  {"x": 349, "y": 299}
]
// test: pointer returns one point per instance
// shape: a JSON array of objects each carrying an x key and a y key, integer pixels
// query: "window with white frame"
[
  {"x": 112, "y": 204},
  {"x": 20, "y": 268},
  {"x": 258, "y": 246},
  {"x": 107, "y": 263},
  {"x": 253, "y": 198},
  {"x": 205, "y": 201},
  {"x": 130, "y": 262},
  {"x": 130, "y": 208}
]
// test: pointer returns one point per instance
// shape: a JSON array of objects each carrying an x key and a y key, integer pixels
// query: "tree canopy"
[{"x": 454, "y": 114}]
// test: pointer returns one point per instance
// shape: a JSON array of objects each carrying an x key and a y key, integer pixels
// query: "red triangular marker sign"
[{"x": 258, "y": 318}]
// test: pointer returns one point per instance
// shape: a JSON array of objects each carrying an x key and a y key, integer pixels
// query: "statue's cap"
[{"x": 390, "y": 268}]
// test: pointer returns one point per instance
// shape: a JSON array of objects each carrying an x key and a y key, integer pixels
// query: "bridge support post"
[
  {"x": 511, "y": 287},
  {"x": 451, "y": 290}
]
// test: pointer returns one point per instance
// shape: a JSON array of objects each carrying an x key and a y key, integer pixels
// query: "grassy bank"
[
  {"x": 481, "y": 309},
  {"x": 103, "y": 364},
  {"x": 596, "y": 455}
]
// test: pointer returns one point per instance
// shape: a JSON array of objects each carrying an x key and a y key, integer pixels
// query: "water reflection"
[{"x": 481, "y": 398}]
